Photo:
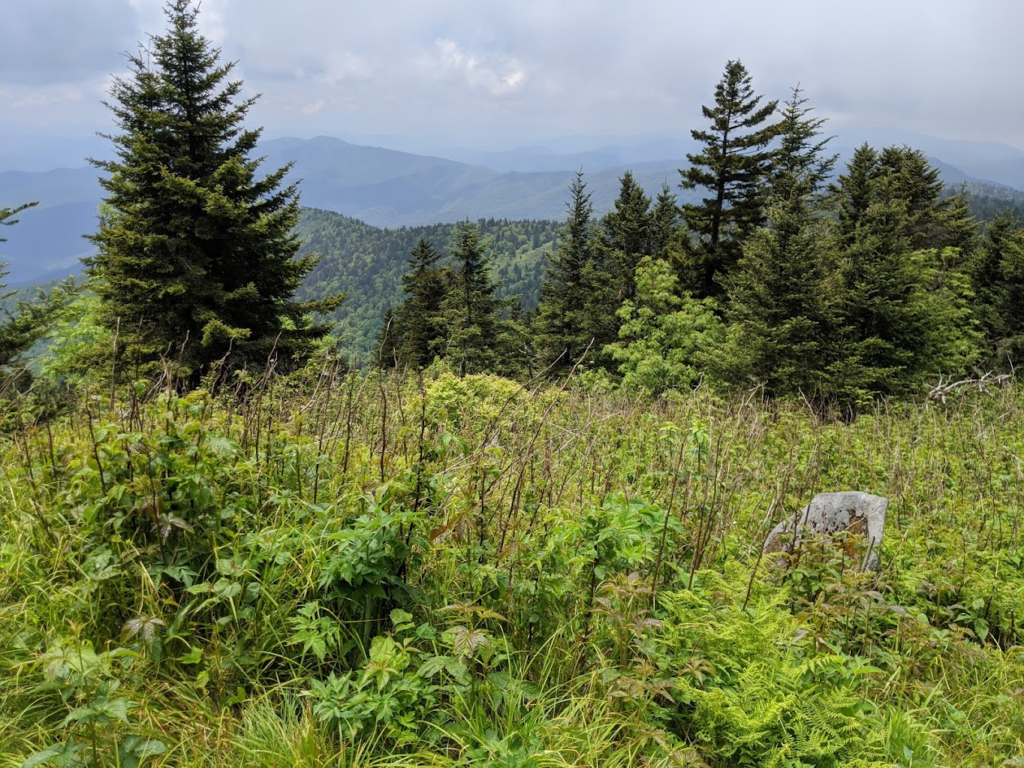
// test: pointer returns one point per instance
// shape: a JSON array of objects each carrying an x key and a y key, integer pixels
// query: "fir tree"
[
  {"x": 1010, "y": 302},
  {"x": 415, "y": 333},
  {"x": 627, "y": 230},
  {"x": 917, "y": 184},
  {"x": 800, "y": 166},
  {"x": 929, "y": 220},
  {"x": 883, "y": 312},
  {"x": 782, "y": 292},
  {"x": 568, "y": 317},
  {"x": 853, "y": 193},
  {"x": 997, "y": 277},
  {"x": 29, "y": 321},
  {"x": 664, "y": 222},
  {"x": 196, "y": 255},
  {"x": 904, "y": 295},
  {"x": 472, "y": 311},
  {"x": 733, "y": 168}
]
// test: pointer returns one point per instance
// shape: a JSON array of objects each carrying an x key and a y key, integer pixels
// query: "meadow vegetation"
[
  {"x": 528, "y": 536},
  {"x": 342, "y": 568}
]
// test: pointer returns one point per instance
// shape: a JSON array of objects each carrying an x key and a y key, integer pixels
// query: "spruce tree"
[
  {"x": 928, "y": 221},
  {"x": 905, "y": 296},
  {"x": 414, "y": 333},
  {"x": 733, "y": 168},
  {"x": 628, "y": 228},
  {"x": 800, "y": 165},
  {"x": 30, "y": 320},
  {"x": 575, "y": 287},
  {"x": 918, "y": 186},
  {"x": 196, "y": 254},
  {"x": 883, "y": 310},
  {"x": 782, "y": 291},
  {"x": 664, "y": 222},
  {"x": 853, "y": 193},
  {"x": 472, "y": 311},
  {"x": 1010, "y": 303},
  {"x": 997, "y": 277}
]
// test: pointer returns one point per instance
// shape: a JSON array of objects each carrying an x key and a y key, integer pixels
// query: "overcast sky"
[{"x": 504, "y": 73}]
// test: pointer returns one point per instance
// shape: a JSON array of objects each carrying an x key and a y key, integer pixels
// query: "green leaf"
[
  {"x": 134, "y": 749},
  {"x": 981, "y": 629},
  {"x": 401, "y": 620},
  {"x": 59, "y": 754}
]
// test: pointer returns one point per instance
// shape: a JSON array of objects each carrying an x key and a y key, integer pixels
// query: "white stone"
[{"x": 830, "y": 513}]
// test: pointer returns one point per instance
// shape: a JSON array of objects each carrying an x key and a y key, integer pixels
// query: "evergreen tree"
[
  {"x": 664, "y": 222},
  {"x": 800, "y": 166},
  {"x": 575, "y": 288},
  {"x": 782, "y": 292},
  {"x": 627, "y": 230},
  {"x": 881, "y": 314},
  {"x": 1010, "y": 302},
  {"x": 917, "y": 184},
  {"x": 928, "y": 221},
  {"x": 905, "y": 298},
  {"x": 29, "y": 321},
  {"x": 997, "y": 277},
  {"x": 884, "y": 307},
  {"x": 196, "y": 255},
  {"x": 853, "y": 193},
  {"x": 733, "y": 168},
  {"x": 471, "y": 307},
  {"x": 960, "y": 228},
  {"x": 414, "y": 334}
]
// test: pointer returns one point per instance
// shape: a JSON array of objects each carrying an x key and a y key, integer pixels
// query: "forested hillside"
[
  {"x": 367, "y": 263},
  {"x": 382, "y": 188},
  {"x": 989, "y": 201}
]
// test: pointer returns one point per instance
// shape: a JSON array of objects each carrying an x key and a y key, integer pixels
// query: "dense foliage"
[
  {"x": 838, "y": 288},
  {"x": 369, "y": 263},
  {"x": 346, "y": 569}
]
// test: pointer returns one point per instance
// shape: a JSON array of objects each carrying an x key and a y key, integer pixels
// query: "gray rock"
[{"x": 830, "y": 513}]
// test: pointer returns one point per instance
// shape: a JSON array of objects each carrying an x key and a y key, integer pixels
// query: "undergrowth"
[{"x": 339, "y": 569}]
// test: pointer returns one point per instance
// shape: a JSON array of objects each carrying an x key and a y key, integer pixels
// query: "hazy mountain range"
[{"x": 389, "y": 188}]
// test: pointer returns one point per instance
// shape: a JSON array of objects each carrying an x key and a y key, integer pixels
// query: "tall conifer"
[
  {"x": 664, "y": 222},
  {"x": 733, "y": 168},
  {"x": 782, "y": 292},
  {"x": 196, "y": 254},
  {"x": 416, "y": 333},
  {"x": 472, "y": 311},
  {"x": 567, "y": 320},
  {"x": 628, "y": 229}
]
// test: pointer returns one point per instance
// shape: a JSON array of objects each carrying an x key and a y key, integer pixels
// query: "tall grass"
[{"x": 558, "y": 568}]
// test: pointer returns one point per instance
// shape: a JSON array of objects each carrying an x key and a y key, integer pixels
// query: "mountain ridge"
[{"x": 391, "y": 188}]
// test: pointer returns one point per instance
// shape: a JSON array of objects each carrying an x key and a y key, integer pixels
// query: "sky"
[{"x": 498, "y": 74}]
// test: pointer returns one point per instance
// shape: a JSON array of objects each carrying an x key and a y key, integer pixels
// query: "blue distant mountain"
[{"x": 389, "y": 188}]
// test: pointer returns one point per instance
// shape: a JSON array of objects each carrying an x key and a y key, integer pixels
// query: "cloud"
[
  {"x": 514, "y": 71},
  {"x": 49, "y": 41},
  {"x": 48, "y": 96},
  {"x": 498, "y": 75},
  {"x": 316, "y": 106},
  {"x": 341, "y": 66}
]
